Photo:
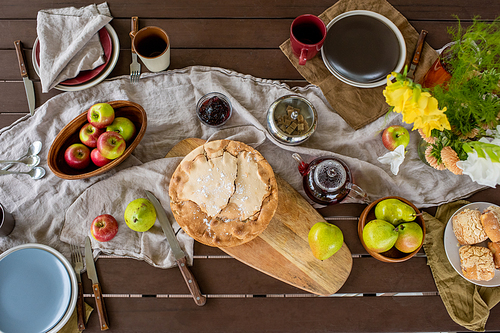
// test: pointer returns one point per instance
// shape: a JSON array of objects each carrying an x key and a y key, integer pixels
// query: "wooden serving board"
[{"x": 282, "y": 250}]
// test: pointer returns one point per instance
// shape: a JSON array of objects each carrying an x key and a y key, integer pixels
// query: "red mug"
[{"x": 307, "y": 34}]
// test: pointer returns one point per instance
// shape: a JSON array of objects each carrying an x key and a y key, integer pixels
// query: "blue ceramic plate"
[{"x": 35, "y": 290}]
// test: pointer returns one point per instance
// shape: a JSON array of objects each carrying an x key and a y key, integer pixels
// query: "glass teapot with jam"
[{"x": 328, "y": 180}]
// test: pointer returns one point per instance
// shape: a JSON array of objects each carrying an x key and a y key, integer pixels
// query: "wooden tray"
[{"x": 282, "y": 250}]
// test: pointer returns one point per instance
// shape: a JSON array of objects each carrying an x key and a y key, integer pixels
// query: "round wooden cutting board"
[{"x": 282, "y": 250}]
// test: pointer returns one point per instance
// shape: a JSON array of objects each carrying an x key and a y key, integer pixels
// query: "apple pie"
[{"x": 223, "y": 193}]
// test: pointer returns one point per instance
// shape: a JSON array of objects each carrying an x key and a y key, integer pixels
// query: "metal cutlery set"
[
  {"x": 30, "y": 160},
  {"x": 77, "y": 259}
]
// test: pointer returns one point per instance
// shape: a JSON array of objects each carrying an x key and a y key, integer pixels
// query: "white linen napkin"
[
  {"x": 111, "y": 196},
  {"x": 69, "y": 42}
]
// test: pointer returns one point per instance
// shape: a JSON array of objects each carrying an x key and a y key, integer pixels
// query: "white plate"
[
  {"x": 39, "y": 265},
  {"x": 99, "y": 78},
  {"x": 451, "y": 246},
  {"x": 390, "y": 25}
]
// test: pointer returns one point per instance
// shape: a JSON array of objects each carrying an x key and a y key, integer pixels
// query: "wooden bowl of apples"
[
  {"x": 67, "y": 158},
  {"x": 399, "y": 229}
]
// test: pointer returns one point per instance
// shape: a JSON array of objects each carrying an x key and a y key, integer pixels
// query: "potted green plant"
[{"x": 459, "y": 119}]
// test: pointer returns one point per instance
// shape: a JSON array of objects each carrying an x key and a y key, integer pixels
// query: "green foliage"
[
  {"x": 474, "y": 60},
  {"x": 483, "y": 149}
]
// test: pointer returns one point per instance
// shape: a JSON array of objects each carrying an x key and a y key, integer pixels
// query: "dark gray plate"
[{"x": 361, "y": 48}]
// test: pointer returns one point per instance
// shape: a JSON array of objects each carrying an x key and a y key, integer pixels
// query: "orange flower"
[
  {"x": 433, "y": 162},
  {"x": 427, "y": 139},
  {"x": 450, "y": 159}
]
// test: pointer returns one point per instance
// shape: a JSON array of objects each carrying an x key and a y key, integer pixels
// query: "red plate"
[{"x": 85, "y": 76}]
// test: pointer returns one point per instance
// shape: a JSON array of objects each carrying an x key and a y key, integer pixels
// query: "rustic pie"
[{"x": 223, "y": 193}]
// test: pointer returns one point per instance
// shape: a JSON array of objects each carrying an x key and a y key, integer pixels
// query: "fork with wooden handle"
[
  {"x": 135, "y": 67},
  {"x": 76, "y": 257}
]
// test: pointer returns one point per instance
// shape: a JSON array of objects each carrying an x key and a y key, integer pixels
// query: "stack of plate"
[
  {"x": 362, "y": 47},
  {"x": 38, "y": 289},
  {"x": 86, "y": 79}
]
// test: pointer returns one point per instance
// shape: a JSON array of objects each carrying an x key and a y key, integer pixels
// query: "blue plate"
[{"x": 35, "y": 291}]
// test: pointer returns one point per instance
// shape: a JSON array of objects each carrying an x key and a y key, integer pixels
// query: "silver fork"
[
  {"x": 135, "y": 67},
  {"x": 76, "y": 258}
]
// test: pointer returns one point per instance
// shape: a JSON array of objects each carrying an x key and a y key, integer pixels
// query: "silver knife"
[
  {"x": 416, "y": 56},
  {"x": 96, "y": 287},
  {"x": 180, "y": 256},
  {"x": 28, "y": 84}
]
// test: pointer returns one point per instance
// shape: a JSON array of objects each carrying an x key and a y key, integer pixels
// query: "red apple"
[
  {"x": 394, "y": 136},
  {"x": 104, "y": 228},
  {"x": 101, "y": 115},
  {"x": 111, "y": 145},
  {"x": 89, "y": 135},
  {"x": 123, "y": 126},
  {"x": 98, "y": 159},
  {"x": 77, "y": 156}
]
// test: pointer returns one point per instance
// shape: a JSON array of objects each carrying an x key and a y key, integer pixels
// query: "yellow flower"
[
  {"x": 397, "y": 94},
  {"x": 428, "y": 123},
  {"x": 416, "y": 106}
]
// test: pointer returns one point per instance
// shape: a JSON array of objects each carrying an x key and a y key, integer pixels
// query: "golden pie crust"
[{"x": 223, "y": 193}]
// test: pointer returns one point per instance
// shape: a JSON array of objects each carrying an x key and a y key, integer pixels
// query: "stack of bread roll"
[{"x": 472, "y": 227}]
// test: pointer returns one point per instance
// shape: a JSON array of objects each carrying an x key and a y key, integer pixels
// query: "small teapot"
[{"x": 328, "y": 180}]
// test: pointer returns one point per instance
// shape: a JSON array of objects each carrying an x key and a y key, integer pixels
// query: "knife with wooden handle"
[
  {"x": 416, "y": 56},
  {"x": 28, "y": 84},
  {"x": 180, "y": 256},
  {"x": 96, "y": 287}
]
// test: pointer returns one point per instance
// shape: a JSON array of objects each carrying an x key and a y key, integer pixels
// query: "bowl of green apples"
[{"x": 391, "y": 229}]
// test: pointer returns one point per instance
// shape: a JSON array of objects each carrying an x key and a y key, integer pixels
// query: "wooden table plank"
[
  {"x": 412, "y": 9},
  {"x": 210, "y": 32},
  {"x": 317, "y": 314},
  {"x": 229, "y": 276}
]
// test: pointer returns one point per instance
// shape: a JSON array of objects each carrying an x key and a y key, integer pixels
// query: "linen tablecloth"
[{"x": 169, "y": 98}]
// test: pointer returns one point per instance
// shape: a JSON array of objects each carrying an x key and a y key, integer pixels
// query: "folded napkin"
[
  {"x": 359, "y": 106},
  {"x": 467, "y": 304},
  {"x": 72, "y": 324},
  {"x": 69, "y": 42},
  {"x": 111, "y": 196}
]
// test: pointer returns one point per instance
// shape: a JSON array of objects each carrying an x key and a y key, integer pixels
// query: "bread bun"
[
  {"x": 495, "y": 250},
  {"x": 468, "y": 228},
  {"x": 490, "y": 219},
  {"x": 477, "y": 263}
]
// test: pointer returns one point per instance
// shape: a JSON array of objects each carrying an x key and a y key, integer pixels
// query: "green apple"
[
  {"x": 140, "y": 215},
  {"x": 111, "y": 145},
  {"x": 101, "y": 115},
  {"x": 379, "y": 236},
  {"x": 325, "y": 240},
  {"x": 410, "y": 237},
  {"x": 123, "y": 126},
  {"x": 394, "y": 136}
]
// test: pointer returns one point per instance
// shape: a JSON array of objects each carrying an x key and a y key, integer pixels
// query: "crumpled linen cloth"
[
  {"x": 69, "y": 42},
  {"x": 169, "y": 98},
  {"x": 467, "y": 304}
]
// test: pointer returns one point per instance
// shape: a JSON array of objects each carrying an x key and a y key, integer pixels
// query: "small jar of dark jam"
[{"x": 214, "y": 109}]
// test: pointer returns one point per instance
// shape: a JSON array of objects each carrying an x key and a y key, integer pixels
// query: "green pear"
[
  {"x": 325, "y": 240},
  {"x": 410, "y": 237},
  {"x": 140, "y": 215},
  {"x": 394, "y": 211},
  {"x": 379, "y": 236}
]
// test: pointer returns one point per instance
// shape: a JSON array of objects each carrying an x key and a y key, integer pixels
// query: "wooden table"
[{"x": 244, "y": 35}]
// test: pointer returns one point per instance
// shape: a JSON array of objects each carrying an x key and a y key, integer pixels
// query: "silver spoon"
[
  {"x": 33, "y": 149},
  {"x": 35, "y": 173},
  {"x": 30, "y": 161}
]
